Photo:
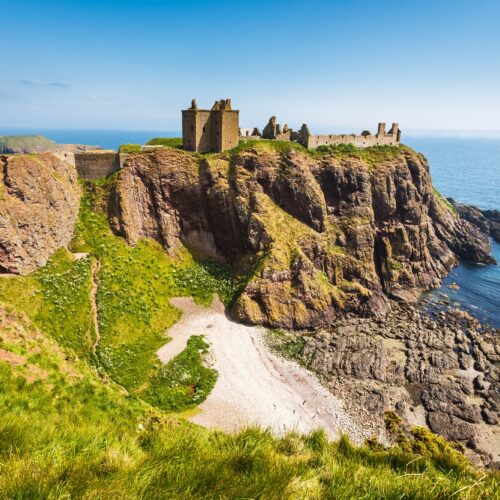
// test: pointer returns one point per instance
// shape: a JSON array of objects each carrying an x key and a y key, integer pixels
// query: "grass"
[
  {"x": 29, "y": 143},
  {"x": 172, "y": 142},
  {"x": 447, "y": 205},
  {"x": 183, "y": 382},
  {"x": 372, "y": 155},
  {"x": 130, "y": 148},
  {"x": 56, "y": 299},
  {"x": 135, "y": 287},
  {"x": 133, "y": 299},
  {"x": 68, "y": 435}
]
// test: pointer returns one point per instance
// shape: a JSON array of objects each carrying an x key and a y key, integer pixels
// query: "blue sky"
[{"x": 431, "y": 64}]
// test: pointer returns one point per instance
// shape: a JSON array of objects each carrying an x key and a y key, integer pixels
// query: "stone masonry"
[
  {"x": 274, "y": 131},
  {"x": 211, "y": 130}
]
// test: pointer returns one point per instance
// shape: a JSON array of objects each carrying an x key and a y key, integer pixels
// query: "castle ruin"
[
  {"x": 211, "y": 130},
  {"x": 218, "y": 129},
  {"x": 273, "y": 131}
]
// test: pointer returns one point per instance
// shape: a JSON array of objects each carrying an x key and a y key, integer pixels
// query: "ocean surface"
[{"x": 466, "y": 169}]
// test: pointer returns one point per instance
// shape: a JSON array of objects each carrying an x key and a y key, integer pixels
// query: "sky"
[{"x": 335, "y": 65}]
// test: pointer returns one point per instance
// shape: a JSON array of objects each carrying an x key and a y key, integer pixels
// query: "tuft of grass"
[
  {"x": 130, "y": 148},
  {"x": 172, "y": 142},
  {"x": 444, "y": 202}
]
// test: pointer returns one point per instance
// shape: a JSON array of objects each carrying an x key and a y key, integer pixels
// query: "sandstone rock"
[
  {"x": 321, "y": 237},
  {"x": 39, "y": 202}
]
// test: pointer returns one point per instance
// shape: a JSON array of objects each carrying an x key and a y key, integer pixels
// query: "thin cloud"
[{"x": 31, "y": 83}]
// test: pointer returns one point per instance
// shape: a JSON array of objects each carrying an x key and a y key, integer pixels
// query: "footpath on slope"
[{"x": 255, "y": 386}]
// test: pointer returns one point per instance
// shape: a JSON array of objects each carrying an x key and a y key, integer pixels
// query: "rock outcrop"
[
  {"x": 487, "y": 221},
  {"x": 439, "y": 370},
  {"x": 39, "y": 202},
  {"x": 315, "y": 236}
]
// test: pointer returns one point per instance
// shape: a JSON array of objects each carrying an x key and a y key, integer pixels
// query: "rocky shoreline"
[
  {"x": 487, "y": 221},
  {"x": 439, "y": 370}
]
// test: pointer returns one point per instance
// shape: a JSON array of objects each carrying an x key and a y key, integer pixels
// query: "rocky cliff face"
[
  {"x": 487, "y": 221},
  {"x": 315, "y": 236},
  {"x": 39, "y": 200}
]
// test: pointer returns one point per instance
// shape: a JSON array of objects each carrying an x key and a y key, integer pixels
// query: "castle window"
[
  {"x": 192, "y": 128},
  {"x": 204, "y": 129}
]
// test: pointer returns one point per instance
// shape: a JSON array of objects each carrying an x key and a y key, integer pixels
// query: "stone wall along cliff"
[{"x": 96, "y": 165}]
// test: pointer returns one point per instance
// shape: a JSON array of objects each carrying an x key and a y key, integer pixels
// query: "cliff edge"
[{"x": 314, "y": 235}]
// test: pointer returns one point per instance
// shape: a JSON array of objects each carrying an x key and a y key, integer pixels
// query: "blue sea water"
[{"x": 466, "y": 169}]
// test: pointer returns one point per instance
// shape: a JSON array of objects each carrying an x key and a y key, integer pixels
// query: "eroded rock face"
[
  {"x": 39, "y": 201},
  {"x": 317, "y": 237},
  {"x": 487, "y": 221},
  {"x": 440, "y": 371}
]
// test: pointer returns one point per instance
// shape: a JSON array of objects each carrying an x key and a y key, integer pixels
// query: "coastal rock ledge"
[{"x": 315, "y": 235}]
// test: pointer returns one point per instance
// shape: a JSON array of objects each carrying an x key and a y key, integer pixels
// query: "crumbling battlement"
[
  {"x": 273, "y": 131},
  {"x": 364, "y": 140}
]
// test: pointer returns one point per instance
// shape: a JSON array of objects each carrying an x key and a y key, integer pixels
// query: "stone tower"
[{"x": 211, "y": 130}]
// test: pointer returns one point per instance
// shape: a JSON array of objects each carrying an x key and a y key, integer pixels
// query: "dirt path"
[
  {"x": 96, "y": 265},
  {"x": 255, "y": 386}
]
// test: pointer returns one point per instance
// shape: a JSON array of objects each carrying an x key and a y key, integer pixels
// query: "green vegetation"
[
  {"x": 130, "y": 148},
  {"x": 183, "y": 382},
  {"x": 372, "y": 155},
  {"x": 25, "y": 144},
  {"x": 172, "y": 142},
  {"x": 447, "y": 205},
  {"x": 135, "y": 287},
  {"x": 133, "y": 299},
  {"x": 265, "y": 144},
  {"x": 65, "y": 434},
  {"x": 57, "y": 299}
]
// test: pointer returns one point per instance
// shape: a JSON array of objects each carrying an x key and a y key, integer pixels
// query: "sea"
[{"x": 464, "y": 168}]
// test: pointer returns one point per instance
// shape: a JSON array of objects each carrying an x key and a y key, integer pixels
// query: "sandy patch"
[{"x": 255, "y": 386}]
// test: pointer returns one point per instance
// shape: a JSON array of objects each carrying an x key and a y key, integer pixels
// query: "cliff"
[
  {"x": 39, "y": 200},
  {"x": 313, "y": 235},
  {"x": 487, "y": 221}
]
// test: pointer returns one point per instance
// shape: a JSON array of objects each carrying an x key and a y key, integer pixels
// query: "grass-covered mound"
[
  {"x": 63, "y": 433},
  {"x": 130, "y": 148},
  {"x": 172, "y": 142}
]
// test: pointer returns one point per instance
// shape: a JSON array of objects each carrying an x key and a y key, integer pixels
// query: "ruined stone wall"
[
  {"x": 360, "y": 141},
  {"x": 227, "y": 129},
  {"x": 196, "y": 130},
  {"x": 96, "y": 165}
]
